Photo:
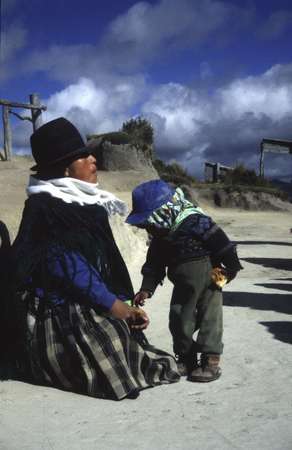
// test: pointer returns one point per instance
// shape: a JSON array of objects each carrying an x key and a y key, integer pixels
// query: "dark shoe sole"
[{"x": 204, "y": 379}]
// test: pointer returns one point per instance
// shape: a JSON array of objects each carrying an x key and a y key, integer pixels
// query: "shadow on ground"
[
  {"x": 280, "y": 330},
  {"x": 280, "y": 286},
  {"x": 276, "y": 263},
  {"x": 281, "y": 303},
  {"x": 283, "y": 278},
  {"x": 262, "y": 243}
]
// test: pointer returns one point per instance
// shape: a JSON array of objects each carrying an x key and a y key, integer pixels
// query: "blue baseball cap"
[{"x": 146, "y": 198}]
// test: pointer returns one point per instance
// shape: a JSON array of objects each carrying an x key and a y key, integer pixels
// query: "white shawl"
[{"x": 72, "y": 190}]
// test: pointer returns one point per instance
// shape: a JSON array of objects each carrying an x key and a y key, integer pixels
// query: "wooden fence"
[
  {"x": 35, "y": 108},
  {"x": 215, "y": 172},
  {"x": 273, "y": 146}
]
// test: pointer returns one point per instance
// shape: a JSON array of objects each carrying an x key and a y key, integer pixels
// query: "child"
[{"x": 189, "y": 244}]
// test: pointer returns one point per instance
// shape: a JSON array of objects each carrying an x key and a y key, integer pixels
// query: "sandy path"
[{"x": 248, "y": 408}]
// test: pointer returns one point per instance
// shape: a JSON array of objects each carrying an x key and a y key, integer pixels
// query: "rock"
[{"x": 122, "y": 156}]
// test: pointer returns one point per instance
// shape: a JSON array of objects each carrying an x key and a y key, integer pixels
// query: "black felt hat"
[{"x": 56, "y": 141}]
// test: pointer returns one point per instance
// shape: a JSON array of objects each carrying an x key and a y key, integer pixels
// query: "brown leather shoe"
[{"x": 207, "y": 370}]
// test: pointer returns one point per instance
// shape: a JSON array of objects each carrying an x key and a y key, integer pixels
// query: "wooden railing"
[
  {"x": 279, "y": 146},
  {"x": 36, "y": 118},
  {"x": 215, "y": 172}
]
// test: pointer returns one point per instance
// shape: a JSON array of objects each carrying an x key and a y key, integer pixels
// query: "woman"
[{"x": 74, "y": 282}]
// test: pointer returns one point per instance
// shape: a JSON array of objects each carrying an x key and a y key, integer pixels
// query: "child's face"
[{"x": 155, "y": 231}]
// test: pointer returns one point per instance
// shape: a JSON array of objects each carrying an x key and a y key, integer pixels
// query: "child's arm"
[
  {"x": 153, "y": 271},
  {"x": 229, "y": 259},
  {"x": 215, "y": 240}
]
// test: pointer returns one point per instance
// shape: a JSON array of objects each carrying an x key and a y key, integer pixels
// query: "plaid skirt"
[{"x": 74, "y": 348}]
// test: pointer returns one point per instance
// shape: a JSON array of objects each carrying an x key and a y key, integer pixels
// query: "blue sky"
[{"x": 213, "y": 77}]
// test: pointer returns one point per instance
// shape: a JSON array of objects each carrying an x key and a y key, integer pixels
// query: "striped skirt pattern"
[{"x": 74, "y": 348}]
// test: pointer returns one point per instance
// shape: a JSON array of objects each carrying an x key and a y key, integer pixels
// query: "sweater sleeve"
[
  {"x": 84, "y": 280},
  {"x": 153, "y": 270},
  {"x": 216, "y": 241}
]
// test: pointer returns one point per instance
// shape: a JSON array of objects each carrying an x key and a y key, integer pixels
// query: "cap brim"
[
  {"x": 79, "y": 151},
  {"x": 141, "y": 218},
  {"x": 138, "y": 218}
]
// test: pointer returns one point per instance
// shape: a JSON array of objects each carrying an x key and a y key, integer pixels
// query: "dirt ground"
[{"x": 249, "y": 407}]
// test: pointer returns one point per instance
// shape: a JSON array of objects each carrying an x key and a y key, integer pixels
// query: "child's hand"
[
  {"x": 219, "y": 277},
  {"x": 139, "y": 319},
  {"x": 140, "y": 297}
]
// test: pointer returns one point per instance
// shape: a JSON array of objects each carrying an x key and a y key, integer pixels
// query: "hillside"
[
  {"x": 284, "y": 186},
  {"x": 240, "y": 197},
  {"x": 14, "y": 177}
]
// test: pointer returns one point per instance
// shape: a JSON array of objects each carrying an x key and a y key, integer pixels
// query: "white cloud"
[
  {"x": 190, "y": 126},
  {"x": 176, "y": 112},
  {"x": 226, "y": 127},
  {"x": 146, "y": 28},
  {"x": 91, "y": 107},
  {"x": 95, "y": 108},
  {"x": 144, "y": 34},
  {"x": 259, "y": 95}
]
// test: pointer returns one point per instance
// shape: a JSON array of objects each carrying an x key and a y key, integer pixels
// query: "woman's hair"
[
  {"x": 54, "y": 171},
  {"x": 58, "y": 170}
]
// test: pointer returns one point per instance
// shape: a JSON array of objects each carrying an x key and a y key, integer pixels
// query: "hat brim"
[
  {"x": 138, "y": 218},
  {"x": 80, "y": 151}
]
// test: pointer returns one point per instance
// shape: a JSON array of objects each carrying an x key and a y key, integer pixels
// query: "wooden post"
[
  {"x": 7, "y": 133},
  {"x": 206, "y": 172},
  {"x": 262, "y": 160},
  {"x": 216, "y": 172},
  {"x": 36, "y": 114}
]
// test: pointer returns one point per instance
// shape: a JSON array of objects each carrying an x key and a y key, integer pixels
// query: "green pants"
[{"x": 195, "y": 306}]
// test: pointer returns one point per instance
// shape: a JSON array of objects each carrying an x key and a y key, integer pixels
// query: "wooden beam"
[
  {"x": 276, "y": 146},
  {"x": 279, "y": 146},
  {"x": 262, "y": 161},
  {"x": 22, "y": 105},
  {"x": 36, "y": 114},
  {"x": 7, "y": 133},
  {"x": 2, "y": 157},
  {"x": 282, "y": 142}
]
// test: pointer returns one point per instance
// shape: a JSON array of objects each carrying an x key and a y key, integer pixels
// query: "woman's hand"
[
  {"x": 136, "y": 317},
  {"x": 121, "y": 310},
  {"x": 140, "y": 297},
  {"x": 139, "y": 319}
]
